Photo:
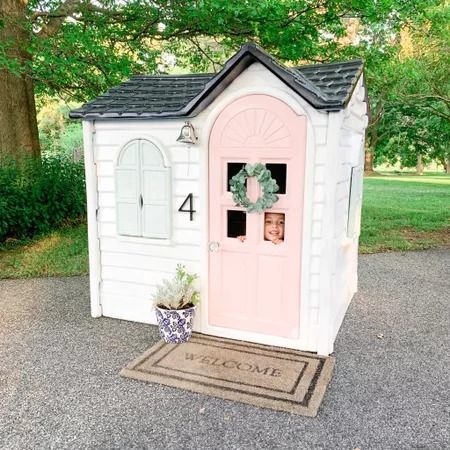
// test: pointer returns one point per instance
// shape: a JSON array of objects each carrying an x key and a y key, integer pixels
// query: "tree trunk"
[
  {"x": 419, "y": 165},
  {"x": 447, "y": 165},
  {"x": 372, "y": 137},
  {"x": 18, "y": 124},
  {"x": 368, "y": 159}
]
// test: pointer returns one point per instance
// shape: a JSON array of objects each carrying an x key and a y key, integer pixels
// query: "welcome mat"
[{"x": 269, "y": 377}]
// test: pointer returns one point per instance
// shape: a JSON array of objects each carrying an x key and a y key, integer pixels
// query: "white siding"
[
  {"x": 351, "y": 154},
  {"x": 130, "y": 267}
]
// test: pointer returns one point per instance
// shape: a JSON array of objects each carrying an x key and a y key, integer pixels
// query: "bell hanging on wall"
[{"x": 187, "y": 134}]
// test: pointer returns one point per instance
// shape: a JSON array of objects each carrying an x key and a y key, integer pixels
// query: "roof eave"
[{"x": 134, "y": 116}]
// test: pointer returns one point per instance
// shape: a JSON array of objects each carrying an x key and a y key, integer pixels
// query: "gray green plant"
[{"x": 177, "y": 293}]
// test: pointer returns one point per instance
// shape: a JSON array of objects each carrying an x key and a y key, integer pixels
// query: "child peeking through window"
[{"x": 273, "y": 228}]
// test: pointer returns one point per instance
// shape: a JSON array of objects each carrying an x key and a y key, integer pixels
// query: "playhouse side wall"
[
  {"x": 132, "y": 266},
  {"x": 347, "y": 210}
]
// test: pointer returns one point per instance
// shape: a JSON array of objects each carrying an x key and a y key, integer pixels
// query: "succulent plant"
[{"x": 177, "y": 293}]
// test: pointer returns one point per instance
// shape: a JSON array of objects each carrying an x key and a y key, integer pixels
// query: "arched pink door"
[{"x": 254, "y": 285}]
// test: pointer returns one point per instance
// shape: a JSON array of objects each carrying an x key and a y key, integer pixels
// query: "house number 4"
[{"x": 191, "y": 210}]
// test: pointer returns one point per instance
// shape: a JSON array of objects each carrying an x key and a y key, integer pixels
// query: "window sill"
[{"x": 144, "y": 240}]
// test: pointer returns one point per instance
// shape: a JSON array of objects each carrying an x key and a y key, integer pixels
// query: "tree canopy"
[
  {"x": 79, "y": 48},
  {"x": 411, "y": 93}
]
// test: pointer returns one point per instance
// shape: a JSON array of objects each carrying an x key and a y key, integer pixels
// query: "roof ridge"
[
  {"x": 169, "y": 75},
  {"x": 332, "y": 63},
  {"x": 298, "y": 77}
]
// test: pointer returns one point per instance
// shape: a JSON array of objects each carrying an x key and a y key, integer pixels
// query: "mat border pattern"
[{"x": 308, "y": 406}]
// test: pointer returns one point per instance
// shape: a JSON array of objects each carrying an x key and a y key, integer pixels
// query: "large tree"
[
  {"x": 78, "y": 48},
  {"x": 409, "y": 91}
]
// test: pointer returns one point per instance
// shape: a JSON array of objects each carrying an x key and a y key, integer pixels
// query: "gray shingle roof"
[{"x": 324, "y": 86}]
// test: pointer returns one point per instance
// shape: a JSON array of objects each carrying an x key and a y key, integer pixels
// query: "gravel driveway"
[{"x": 60, "y": 388}]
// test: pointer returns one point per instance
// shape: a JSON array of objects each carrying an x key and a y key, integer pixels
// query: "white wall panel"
[
  {"x": 141, "y": 246},
  {"x": 321, "y": 135},
  {"x": 186, "y": 171},
  {"x": 315, "y": 282},
  {"x": 128, "y": 308},
  {"x": 106, "y": 199},
  {"x": 190, "y": 237},
  {"x": 316, "y": 229},
  {"x": 184, "y": 187},
  {"x": 105, "y": 153},
  {"x": 106, "y": 184},
  {"x": 133, "y": 261},
  {"x": 140, "y": 276},
  {"x": 318, "y": 210},
  {"x": 182, "y": 153},
  {"x": 316, "y": 247},
  {"x": 105, "y": 169},
  {"x": 321, "y": 154},
  {"x": 107, "y": 214},
  {"x": 182, "y": 219},
  {"x": 121, "y": 288},
  {"x": 319, "y": 173},
  {"x": 106, "y": 229}
]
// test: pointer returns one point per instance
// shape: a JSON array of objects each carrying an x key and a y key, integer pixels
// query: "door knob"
[{"x": 213, "y": 246}]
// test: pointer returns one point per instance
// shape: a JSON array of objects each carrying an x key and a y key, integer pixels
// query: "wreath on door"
[{"x": 268, "y": 186}]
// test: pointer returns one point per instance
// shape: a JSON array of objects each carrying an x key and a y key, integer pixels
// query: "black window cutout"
[
  {"x": 279, "y": 173},
  {"x": 233, "y": 169},
  {"x": 237, "y": 223}
]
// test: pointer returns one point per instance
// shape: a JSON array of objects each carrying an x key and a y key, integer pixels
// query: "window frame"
[{"x": 139, "y": 169}]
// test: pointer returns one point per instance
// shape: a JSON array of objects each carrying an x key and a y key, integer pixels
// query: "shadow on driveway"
[{"x": 60, "y": 388}]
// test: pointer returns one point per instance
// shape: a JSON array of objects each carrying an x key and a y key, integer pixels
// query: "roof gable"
[{"x": 324, "y": 86}]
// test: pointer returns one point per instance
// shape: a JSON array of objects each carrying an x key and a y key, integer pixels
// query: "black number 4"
[{"x": 191, "y": 211}]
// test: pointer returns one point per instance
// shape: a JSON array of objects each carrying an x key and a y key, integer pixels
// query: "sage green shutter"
[
  {"x": 156, "y": 187},
  {"x": 143, "y": 191},
  {"x": 128, "y": 209}
]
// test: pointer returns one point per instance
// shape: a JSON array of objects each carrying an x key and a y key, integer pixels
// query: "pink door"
[{"x": 254, "y": 284}]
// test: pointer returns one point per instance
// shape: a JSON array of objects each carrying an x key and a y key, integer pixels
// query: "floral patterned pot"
[{"x": 175, "y": 325}]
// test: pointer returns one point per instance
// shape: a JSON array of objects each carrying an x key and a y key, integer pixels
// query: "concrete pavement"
[{"x": 60, "y": 388}]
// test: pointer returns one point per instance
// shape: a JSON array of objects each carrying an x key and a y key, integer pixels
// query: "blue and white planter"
[{"x": 175, "y": 325}]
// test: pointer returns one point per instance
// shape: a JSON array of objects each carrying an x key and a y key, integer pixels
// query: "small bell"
[{"x": 187, "y": 134}]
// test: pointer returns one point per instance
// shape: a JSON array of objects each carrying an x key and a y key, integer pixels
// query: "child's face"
[{"x": 274, "y": 227}]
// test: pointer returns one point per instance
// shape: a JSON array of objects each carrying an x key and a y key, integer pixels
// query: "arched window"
[{"x": 143, "y": 186}]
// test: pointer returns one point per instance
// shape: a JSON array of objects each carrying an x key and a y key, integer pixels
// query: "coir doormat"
[{"x": 269, "y": 377}]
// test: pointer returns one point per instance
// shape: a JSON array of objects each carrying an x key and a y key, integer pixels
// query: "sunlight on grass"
[
  {"x": 405, "y": 213},
  {"x": 60, "y": 253},
  {"x": 45, "y": 244},
  {"x": 400, "y": 213},
  {"x": 435, "y": 179}
]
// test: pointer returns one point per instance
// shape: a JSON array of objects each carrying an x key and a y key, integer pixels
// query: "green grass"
[
  {"x": 60, "y": 253},
  {"x": 400, "y": 212},
  {"x": 405, "y": 212}
]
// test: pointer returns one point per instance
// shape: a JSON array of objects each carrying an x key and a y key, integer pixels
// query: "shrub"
[{"x": 37, "y": 196}]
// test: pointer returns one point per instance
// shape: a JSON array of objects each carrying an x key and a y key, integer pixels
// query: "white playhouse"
[{"x": 160, "y": 152}]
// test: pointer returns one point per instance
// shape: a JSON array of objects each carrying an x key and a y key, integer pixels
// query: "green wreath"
[{"x": 268, "y": 185}]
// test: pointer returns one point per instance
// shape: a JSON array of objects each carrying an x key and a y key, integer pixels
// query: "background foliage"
[
  {"x": 77, "y": 49},
  {"x": 409, "y": 92},
  {"x": 59, "y": 135},
  {"x": 38, "y": 196}
]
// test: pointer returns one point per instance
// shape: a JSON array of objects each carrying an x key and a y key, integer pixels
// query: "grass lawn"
[
  {"x": 400, "y": 212},
  {"x": 60, "y": 253},
  {"x": 405, "y": 212}
]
